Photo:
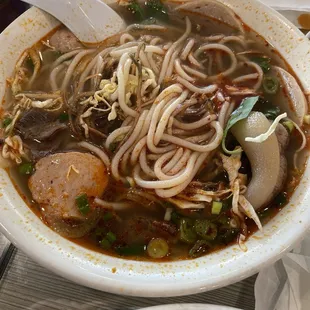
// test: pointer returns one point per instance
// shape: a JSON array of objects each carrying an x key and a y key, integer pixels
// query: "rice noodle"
[
  {"x": 72, "y": 67},
  {"x": 222, "y": 48},
  {"x": 190, "y": 44},
  {"x": 194, "y": 72},
  {"x": 179, "y": 70},
  {"x": 99, "y": 152},
  {"x": 204, "y": 90},
  {"x": 167, "y": 58}
]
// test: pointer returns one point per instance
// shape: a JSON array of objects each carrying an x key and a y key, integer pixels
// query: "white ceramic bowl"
[{"x": 122, "y": 276}]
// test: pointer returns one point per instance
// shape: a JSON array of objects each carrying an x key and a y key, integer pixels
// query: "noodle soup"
[{"x": 172, "y": 139}]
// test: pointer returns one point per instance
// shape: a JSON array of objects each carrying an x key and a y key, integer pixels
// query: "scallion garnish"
[
  {"x": 263, "y": 62},
  {"x": 107, "y": 216},
  {"x": 105, "y": 244},
  {"x": 82, "y": 203},
  {"x": 131, "y": 250},
  {"x": 26, "y": 168},
  {"x": 6, "y": 122},
  {"x": 187, "y": 232},
  {"x": 216, "y": 207},
  {"x": 205, "y": 229},
  {"x": 270, "y": 85},
  {"x": 307, "y": 119},
  {"x": 111, "y": 237},
  {"x": 199, "y": 248},
  {"x": 289, "y": 126}
]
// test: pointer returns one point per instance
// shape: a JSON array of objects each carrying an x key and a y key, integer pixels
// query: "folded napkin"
[{"x": 286, "y": 284}]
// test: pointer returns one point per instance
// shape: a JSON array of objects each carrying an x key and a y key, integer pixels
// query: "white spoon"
[{"x": 91, "y": 21}]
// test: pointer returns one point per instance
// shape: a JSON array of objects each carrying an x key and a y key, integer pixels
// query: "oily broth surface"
[{"x": 125, "y": 217}]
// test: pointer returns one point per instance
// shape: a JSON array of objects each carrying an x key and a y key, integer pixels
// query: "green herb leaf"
[
  {"x": 136, "y": 11},
  {"x": 270, "y": 85},
  {"x": 26, "y": 168},
  {"x": 228, "y": 235},
  {"x": 82, "y": 204},
  {"x": 263, "y": 62},
  {"x": 187, "y": 232},
  {"x": 99, "y": 232},
  {"x": 154, "y": 8},
  {"x": 63, "y": 117},
  {"x": 268, "y": 109},
  {"x": 175, "y": 218},
  {"x": 205, "y": 229},
  {"x": 199, "y": 248},
  {"x": 131, "y": 250},
  {"x": 107, "y": 216},
  {"x": 6, "y": 122},
  {"x": 239, "y": 114},
  {"x": 105, "y": 244},
  {"x": 111, "y": 237}
]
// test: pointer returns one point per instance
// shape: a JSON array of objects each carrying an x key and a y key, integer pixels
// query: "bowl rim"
[{"x": 143, "y": 278}]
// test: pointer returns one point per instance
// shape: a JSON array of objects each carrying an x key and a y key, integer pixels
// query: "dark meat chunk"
[
  {"x": 39, "y": 124},
  {"x": 65, "y": 41}
]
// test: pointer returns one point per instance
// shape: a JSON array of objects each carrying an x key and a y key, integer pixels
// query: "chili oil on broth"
[{"x": 127, "y": 233}]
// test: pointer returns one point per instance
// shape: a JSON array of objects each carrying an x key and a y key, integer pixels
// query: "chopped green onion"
[
  {"x": 63, "y": 117},
  {"x": 205, "y": 229},
  {"x": 307, "y": 119},
  {"x": 26, "y": 168},
  {"x": 105, "y": 244},
  {"x": 99, "y": 232},
  {"x": 111, "y": 237},
  {"x": 263, "y": 62},
  {"x": 157, "y": 248},
  {"x": 223, "y": 219},
  {"x": 107, "y": 216},
  {"x": 82, "y": 204},
  {"x": 136, "y": 10},
  {"x": 289, "y": 125},
  {"x": 175, "y": 218},
  {"x": 199, "y": 248},
  {"x": 216, "y": 207},
  {"x": 187, "y": 233},
  {"x": 6, "y": 122},
  {"x": 270, "y": 85},
  {"x": 131, "y": 250}
]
